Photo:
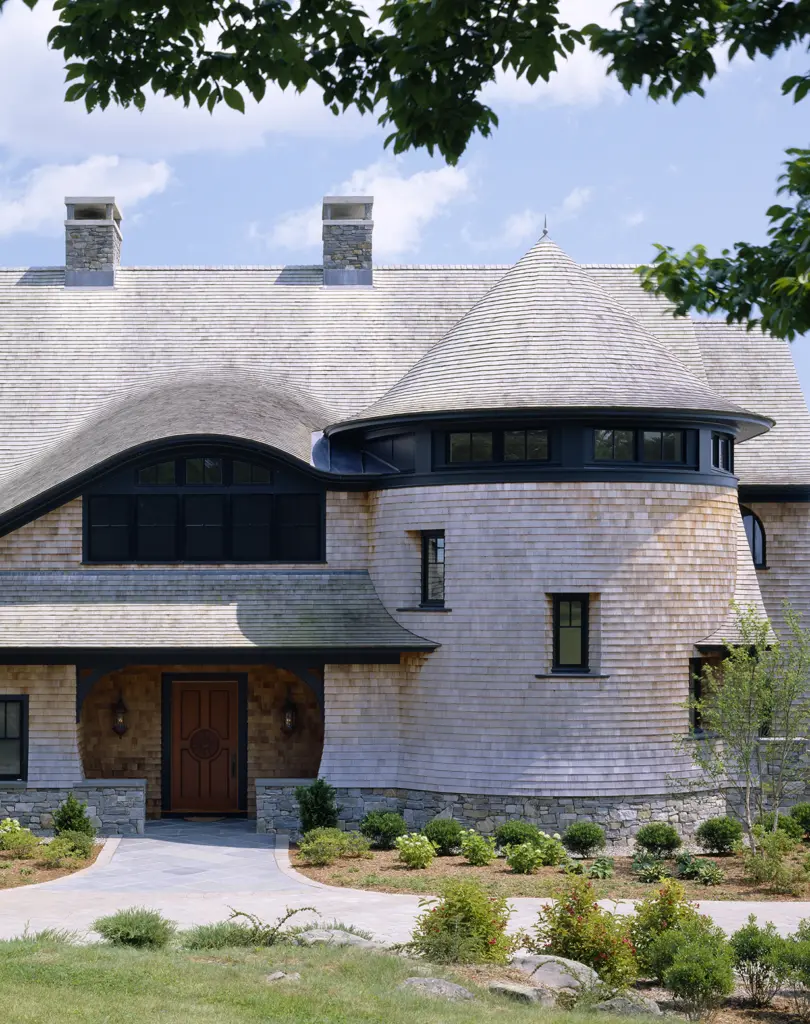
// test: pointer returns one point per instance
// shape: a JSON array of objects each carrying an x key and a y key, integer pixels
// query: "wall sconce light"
[
  {"x": 289, "y": 716},
  {"x": 120, "y": 717}
]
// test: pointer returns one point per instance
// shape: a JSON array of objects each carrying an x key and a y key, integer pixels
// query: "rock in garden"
[
  {"x": 522, "y": 993},
  {"x": 336, "y": 937},
  {"x": 283, "y": 976},
  {"x": 635, "y": 1005},
  {"x": 438, "y": 988},
  {"x": 556, "y": 973}
]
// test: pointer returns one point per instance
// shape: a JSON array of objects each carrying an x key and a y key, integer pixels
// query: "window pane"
[
  {"x": 623, "y": 445},
  {"x": 672, "y": 446},
  {"x": 570, "y": 645},
  {"x": 481, "y": 446},
  {"x": 10, "y": 757},
  {"x": 13, "y": 716},
  {"x": 156, "y": 535},
  {"x": 298, "y": 527},
  {"x": 537, "y": 444},
  {"x": 652, "y": 445},
  {"x": 576, "y": 613},
  {"x": 460, "y": 448},
  {"x": 159, "y": 474},
  {"x": 433, "y": 552},
  {"x": 514, "y": 445},
  {"x": 250, "y": 527},
  {"x": 603, "y": 444},
  {"x": 195, "y": 471},
  {"x": 241, "y": 472},
  {"x": 204, "y": 528},
  {"x": 204, "y": 471},
  {"x": 251, "y": 473},
  {"x": 109, "y": 528},
  {"x": 404, "y": 452}
]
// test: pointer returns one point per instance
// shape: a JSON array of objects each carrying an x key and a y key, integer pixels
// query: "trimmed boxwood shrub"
[
  {"x": 801, "y": 812},
  {"x": 514, "y": 833},
  {"x": 658, "y": 838},
  {"x": 584, "y": 838},
  {"x": 383, "y": 828},
  {"x": 789, "y": 825},
  {"x": 445, "y": 834},
  {"x": 719, "y": 835}
]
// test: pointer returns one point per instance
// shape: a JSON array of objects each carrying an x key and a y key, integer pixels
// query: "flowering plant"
[
  {"x": 478, "y": 850},
  {"x": 465, "y": 926},
  {"x": 415, "y": 850}
]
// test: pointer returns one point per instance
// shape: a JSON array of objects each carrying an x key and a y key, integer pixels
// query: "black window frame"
[
  {"x": 583, "y": 668},
  {"x": 613, "y": 460},
  {"x": 22, "y": 700},
  {"x": 294, "y": 537},
  {"x": 696, "y": 693},
  {"x": 723, "y": 443},
  {"x": 748, "y": 513},
  {"x": 426, "y": 601},
  {"x": 493, "y": 437},
  {"x": 661, "y": 460},
  {"x": 525, "y": 460}
]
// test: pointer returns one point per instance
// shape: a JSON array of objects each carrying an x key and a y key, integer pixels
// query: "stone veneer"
[
  {"x": 92, "y": 245},
  {"x": 621, "y": 817},
  {"x": 117, "y": 807}
]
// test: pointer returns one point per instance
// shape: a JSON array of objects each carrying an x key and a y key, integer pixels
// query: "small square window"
[
  {"x": 161, "y": 474},
  {"x": 662, "y": 446},
  {"x": 570, "y": 626},
  {"x": 614, "y": 445},
  {"x": 433, "y": 562},
  {"x": 525, "y": 445},
  {"x": 204, "y": 471},
  {"x": 251, "y": 473},
  {"x": 470, "y": 446}
]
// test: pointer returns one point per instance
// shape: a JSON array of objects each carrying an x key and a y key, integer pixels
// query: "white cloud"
[
  {"x": 403, "y": 207},
  {"x": 36, "y": 122},
  {"x": 632, "y": 220},
  {"x": 525, "y": 227},
  {"x": 28, "y": 203}
]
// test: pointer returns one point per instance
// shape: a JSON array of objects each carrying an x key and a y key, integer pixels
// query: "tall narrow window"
[
  {"x": 204, "y": 516},
  {"x": 695, "y": 692},
  {"x": 722, "y": 452},
  {"x": 156, "y": 533},
  {"x": 614, "y": 445},
  {"x": 109, "y": 528},
  {"x": 755, "y": 532},
  {"x": 13, "y": 737},
  {"x": 570, "y": 633},
  {"x": 298, "y": 528},
  {"x": 433, "y": 551}
]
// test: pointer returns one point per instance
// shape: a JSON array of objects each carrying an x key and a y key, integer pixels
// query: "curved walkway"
[{"x": 195, "y": 873}]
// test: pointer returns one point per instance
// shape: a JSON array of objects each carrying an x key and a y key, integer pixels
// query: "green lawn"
[{"x": 51, "y": 983}]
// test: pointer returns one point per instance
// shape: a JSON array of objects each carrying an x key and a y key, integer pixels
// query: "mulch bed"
[
  {"x": 383, "y": 872},
  {"x": 17, "y": 871}
]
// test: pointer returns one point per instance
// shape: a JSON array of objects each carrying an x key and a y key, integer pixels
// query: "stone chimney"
[
  {"x": 347, "y": 228},
  {"x": 92, "y": 241}
]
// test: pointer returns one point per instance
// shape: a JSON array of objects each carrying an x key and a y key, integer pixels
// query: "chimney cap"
[
  {"x": 348, "y": 199},
  {"x": 96, "y": 204}
]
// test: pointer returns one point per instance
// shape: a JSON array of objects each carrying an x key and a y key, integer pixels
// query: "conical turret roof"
[{"x": 547, "y": 336}]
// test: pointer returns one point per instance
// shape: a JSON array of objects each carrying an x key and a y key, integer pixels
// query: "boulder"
[
  {"x": 283, "y": 976},
  {"x": 632, "y": 1004},
  {"x": 336, "y": 937},
  {"x": 437, "y": 988},
  {"x": 522, "y": 993},
  {"x": 556, "y": 973}
]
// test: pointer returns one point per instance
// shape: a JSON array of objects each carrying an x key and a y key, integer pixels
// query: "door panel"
[{"x": 205, "y": 746}]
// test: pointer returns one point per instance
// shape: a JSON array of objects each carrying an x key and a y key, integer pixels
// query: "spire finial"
[{"x": 545, "y": 227}]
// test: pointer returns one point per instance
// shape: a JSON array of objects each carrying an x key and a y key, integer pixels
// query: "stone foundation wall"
[
  {"x": 117, "y": 807},
  {"x": 621, "y": 817}
]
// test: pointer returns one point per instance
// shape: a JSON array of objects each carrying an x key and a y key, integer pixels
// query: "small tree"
[
  {"x": 755, "y": 713},
  {"x": 316, "y": 805}
]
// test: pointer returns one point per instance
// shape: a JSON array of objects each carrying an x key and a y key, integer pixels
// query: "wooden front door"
[{"x": 205, "y": 756}]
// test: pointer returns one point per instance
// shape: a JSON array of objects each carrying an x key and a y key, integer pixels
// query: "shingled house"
[{"x": 454, "y": 537}]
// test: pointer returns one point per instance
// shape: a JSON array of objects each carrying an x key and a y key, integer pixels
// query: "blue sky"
[{"x": 613, "y": 173}]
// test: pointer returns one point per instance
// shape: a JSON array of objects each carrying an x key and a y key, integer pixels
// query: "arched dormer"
[
  {"x": 755, "y": 532},
  {"x": 204, "y": 503}
]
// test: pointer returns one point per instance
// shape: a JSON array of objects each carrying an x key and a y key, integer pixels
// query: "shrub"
[
  {"x": 664, "y": 948},
  {"x": 793, "y": 962},
  {"x": 464, "y": 926},
  {"x": 415, "y": 850},
  {"x": 514, "y": 833},
  {"x": 79, "y": 843},
  {"x": 261, "y": 933},
  {"x": 67, "y": 849},
  {"x": 602, "y": 867},
  {"x": 22, "y": 843},
  {"x": 551, "y": 849},
  {"x": 322, "y": 846},
  {"x": 720, "y": 835},
  {"x": 136, "y": 926},
  {"x": 649, "y": 868},
  {"x": 383, "y": 828},
  {"x": 658, "y": 838},
  {"x": 445, "y": 834},
  {"x": 71, "y": 816},
  {"x": 221, "y": 935},
  {"x": 701, "y": 974},
  {"x": 799, "y": 812},
  {"x": 576, "y": 927},
  {"x": 477, "y": 850},
  {"x": 756, "y": 953},
  {"x": 785, "y": 823},
  {"x": 699, "y": 869},
  {"x": 316, "y": 805},
  {"x": 9, "y": 825},
  {"x": 584, "y": 838},
  {"x": 523, "y": 859},
  {"x": 662, "y": 911},
  {"x": 767, "y": 866}
]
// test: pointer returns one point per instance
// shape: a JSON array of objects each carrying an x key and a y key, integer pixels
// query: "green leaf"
[{"x": 234, "y": 99}]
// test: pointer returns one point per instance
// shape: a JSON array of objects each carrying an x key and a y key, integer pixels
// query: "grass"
[
  {"x": 45, "y": 981},
  {"x": 383, "y": 872}
]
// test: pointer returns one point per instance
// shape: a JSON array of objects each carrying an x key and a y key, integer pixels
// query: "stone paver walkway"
[{"x": 195, "y": 872}]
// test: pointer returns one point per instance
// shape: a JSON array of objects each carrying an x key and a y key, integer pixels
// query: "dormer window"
[{"x": 204, "y": 509}]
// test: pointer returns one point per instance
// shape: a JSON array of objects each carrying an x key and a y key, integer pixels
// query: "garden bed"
[
  {"x": 16, "y": 871},
  {"x": 383, "y": 872}
]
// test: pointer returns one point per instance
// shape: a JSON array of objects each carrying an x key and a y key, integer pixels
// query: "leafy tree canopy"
[{"x": 423, "y": 67}]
